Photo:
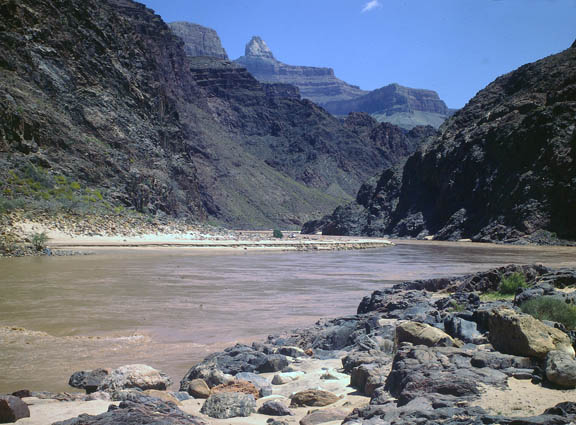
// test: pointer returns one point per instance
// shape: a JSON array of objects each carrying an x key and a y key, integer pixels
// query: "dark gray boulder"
[
  {"x": 148, "y": 412},
  {"x": 561, "y": 369},
  {"x": 88, "y": 380},
  {"x": 275, "y": 408}
]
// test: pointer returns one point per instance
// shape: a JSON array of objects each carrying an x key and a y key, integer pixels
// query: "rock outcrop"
[
  {"x": 199, "y": 40},
  {"x": 403, "y": 106},
  {"x": 502, "y": 170},
  {"x": 317, "y": 84}
]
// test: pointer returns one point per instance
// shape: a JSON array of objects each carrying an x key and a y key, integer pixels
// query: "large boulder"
[
  {"x": 198, "y": 388},
  {"x": 423, "y": 334},
  {"x": 135, "y": 376},
  {"x": 317, "y": 398},
  {"x": 12, "y": 409},
  {"x": 147, "y": 411},
  {"x": 561, "y": 369},
  {"x": 88, "y": 380},
  {"x": 275, "y": 408},
  {"x": 523, "y": 335},
  {"x": 229, "y": 405}
]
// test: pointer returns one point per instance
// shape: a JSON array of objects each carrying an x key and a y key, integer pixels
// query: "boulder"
[
  {"x": 88, "y": 380},
  {"x": 212, "y": 377},
  {"x": 147, "y": 411},
  {"x": 274, "y": 363},
  {"x": 523, "y": 335},
  {"x": 423, "y": 334},
  {"x": 368, "y": 377},
  {"x": 229, "y": 405},
  {"x": 275, "y": 408},
  {"x": 561, "y": 369},
  {"x": 260, "y": 382},
  {"x": 162, "y": 395},
  {"x": 324, "y": 415},
  {"x": 291, "y": 351},
  {"x": 135, "y": 376},
  {"x": 237, "y": 386},
  {"x": 12, "y": 409},
  {"x": 317, "y": 398},
  {"x": 198, "y": 388}
]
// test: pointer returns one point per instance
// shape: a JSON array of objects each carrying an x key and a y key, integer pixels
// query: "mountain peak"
[
  {"x": 258, "y": 48},
  {"x": 574, "y": 45}
]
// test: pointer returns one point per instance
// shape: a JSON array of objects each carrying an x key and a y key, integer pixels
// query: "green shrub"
[
  {"x": 38, "y": 241},
  {"x": 551, "y": 308},
  {"x": 277, "y": 234},
  {"x": 510, "y": 284}
]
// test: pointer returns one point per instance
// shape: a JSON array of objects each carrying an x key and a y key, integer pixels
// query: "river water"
[{"x": 171, "y": 307}]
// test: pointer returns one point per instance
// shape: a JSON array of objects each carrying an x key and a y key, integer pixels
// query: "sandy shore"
[{"x": 46, "y": 412}]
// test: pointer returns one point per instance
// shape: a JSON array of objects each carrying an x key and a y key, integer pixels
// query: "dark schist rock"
[
  {"x": 147, "y": 411},
  {"x": 199, "y": 40},
  {"x": 12, "y": 408},
  {"x": 465, "y": 184}
]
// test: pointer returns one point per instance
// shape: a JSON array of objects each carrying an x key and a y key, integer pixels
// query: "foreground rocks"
[
  {"x": 12, "y": 409},
  {"x": 229, "y": 405},
  {"x": 419, "y": 352},
  {"x": 150, "y": 411}
]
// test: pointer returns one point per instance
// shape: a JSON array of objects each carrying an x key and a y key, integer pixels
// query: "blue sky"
[{"x": 455, "y": 47}]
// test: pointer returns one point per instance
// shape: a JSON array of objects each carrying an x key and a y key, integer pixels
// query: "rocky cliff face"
[
  {"x": 199, "y": 40},
  {"x": 394, "y": 103},
  {"x": 317, "y": 84},
  {"x": 503, "y": 169},
  {"x": 89, "y": 109},
  {"x": 103, "y": 111}
]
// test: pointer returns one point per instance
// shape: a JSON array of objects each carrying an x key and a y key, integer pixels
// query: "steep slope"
[
  {"x": 103, "y": 112},
  {"x": 89, "y": 116},
  {"x": 403, "y": 106},
  {"x": 317, "y": 84},
  {"x": 503, "y": 169},
  {"x": 199, "y": 40}
]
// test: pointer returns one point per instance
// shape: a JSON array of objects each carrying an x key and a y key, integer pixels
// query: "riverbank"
[{"x": 428, "y": 350}]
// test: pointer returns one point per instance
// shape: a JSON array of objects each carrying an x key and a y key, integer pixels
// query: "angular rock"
[
  {"x": 423, "y": 334},
  {"x": 523, "y": 335},
  {"x": 324, "y": 415},
  {"x": 237, "y": 386},
  {"x": 135, "y": 376},
  {"x": 317, "y": 398},
  {"x": 12, "y": 409},
  {"x": 229, "y": 405},
  {"x": 561, "y": 369},
  {"x": 439, "y": 374},
  {"x": 199, "y": 40},
  {"x": 198, "y": 388},
  {"x": 275, "y": 408},
  {"x": 260, "y": 382},
  {"x": 88, "y": 380},
  {"x": 274, "y": 363},
  {"x": 284, "y": 378},
  {"x": 153, "y": 411},
  {"x": 368, "y": 377}
]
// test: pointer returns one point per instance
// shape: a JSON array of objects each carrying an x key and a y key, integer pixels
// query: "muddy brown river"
[{"x": 170, "y": 307}]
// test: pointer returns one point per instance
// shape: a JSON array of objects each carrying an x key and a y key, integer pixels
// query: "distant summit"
[
  {"x": 403, "y": 106},
  {"x": 199, "y": 40},
  {"x": 317, "y": 84},
  {"x": 258, "y": 48}
]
